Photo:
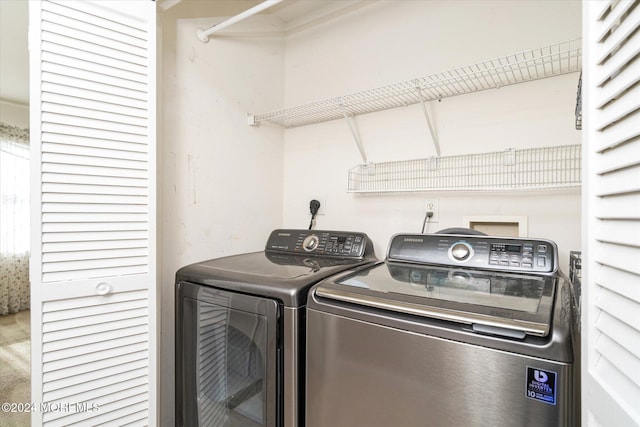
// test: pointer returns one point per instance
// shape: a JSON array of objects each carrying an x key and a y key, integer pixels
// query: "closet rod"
[{"x": 204, "y": 34}]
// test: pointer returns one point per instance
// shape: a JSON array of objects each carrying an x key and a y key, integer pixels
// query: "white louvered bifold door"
[
  {"x": 93, "y": 278},
  {"x": 611, "y": 255}
]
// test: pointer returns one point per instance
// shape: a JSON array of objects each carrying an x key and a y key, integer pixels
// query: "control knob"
[
  {"x": 310, "y": 243},
  {"x": 460, "y": 251}
]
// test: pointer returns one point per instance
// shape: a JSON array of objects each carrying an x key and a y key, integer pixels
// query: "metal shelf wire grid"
[
  {"x": 533, "y": 64},
  {"x": 528, "y": 169}
]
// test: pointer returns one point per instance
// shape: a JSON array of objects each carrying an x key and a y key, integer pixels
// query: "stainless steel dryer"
[
  {"x": 451, "y": 330},
  {"x": 240, "y": 335}
]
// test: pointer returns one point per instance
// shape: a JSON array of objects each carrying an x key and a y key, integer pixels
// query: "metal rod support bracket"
[
  {"x": 354, "y": 133},
  {"x": 434, "y": 136}
]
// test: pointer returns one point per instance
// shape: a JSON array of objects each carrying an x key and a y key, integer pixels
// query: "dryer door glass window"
[{"x": 229, "y": 359}]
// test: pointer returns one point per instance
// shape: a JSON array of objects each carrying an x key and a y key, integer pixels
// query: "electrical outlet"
[
  {"x": 321, "y": 198},
  {"x": 432, "y": 205}
]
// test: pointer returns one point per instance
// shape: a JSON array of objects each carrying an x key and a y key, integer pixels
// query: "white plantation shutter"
[
  {"x": 611, "y": 305},
  {"x": 93, "y": 212}
]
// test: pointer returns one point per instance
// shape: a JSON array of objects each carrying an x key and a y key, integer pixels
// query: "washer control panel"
[
  {"x": 319, "y": 242},
  {"x": 498, "y": 253}
]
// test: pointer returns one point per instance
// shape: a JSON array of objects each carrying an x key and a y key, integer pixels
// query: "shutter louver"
[
  {"x": 612, "y": 367},
  {"x": 95, "y": 192}
]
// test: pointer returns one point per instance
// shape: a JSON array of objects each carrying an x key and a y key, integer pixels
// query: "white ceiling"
[
  {"x": 296, "y": 15},
  {"x": 14, "y": 51}
]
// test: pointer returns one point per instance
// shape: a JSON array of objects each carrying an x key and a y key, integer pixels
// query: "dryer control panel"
[
  {"x": 320, "y": 242},
  {"x": 486, "y": 252}
]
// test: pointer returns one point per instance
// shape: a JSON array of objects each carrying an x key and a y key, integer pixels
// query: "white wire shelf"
[
  {"x": 515, "y": 170},
  {"x": 528, "y": 65}
]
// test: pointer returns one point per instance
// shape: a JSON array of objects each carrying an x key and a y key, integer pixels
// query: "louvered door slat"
[
  {"x": 607, "y": 47},
  {"x": 85, "y": 271},
  {"x": 92, "y": 171},
  {"x": 73, "y": 111},
  {"x": 95, "y": 306},
  {"x": 90, "y": 24},
  {"x": 118, "y": 404},
  {"x": 106, "y": 153},
  {"x": 65, "y": 241},
  {"x": 622, "y": 234},
  {"x": 91, "y": 245},
  {"x": 608, "y": 23},
  {"x": 624, "y": 335},
  {"x": 70, "y": 35},
  {"x": 625, "y": 78},
  {"x": 102, "y": 124},
  {"x": 53, "y": 230},
  {"x": 95, "y": 198},
  {"x": 617, "y": 306},
  {"x": 76, "y": 384},
  {"x": 93, "y": 208},
  {"x": 622, "y": 181},
  {"x": 116, "y": 411},
  {"x": 89, "y": 75},
  {"x": 94, "y": 187},
  {"x": 619, "y": 108},
  {"x": 617, "y": 63},
  {"x": 63, "y": 129},
  {"x": 107, "y": 24},
  {"x": 104, "y": 338},
  {"x": 135, "y": 420},
  {"x": 619, "y": 257},
  {"x": 620, "y": 158},
  {"x": 95, "y": 180},
  {"x": 618, "y": 281},
  {"x": 85, "y": 94},
  {"x": 616, "y": 355},
  {"x": 103, "y": 321},
  {"x": 96, "y": 348},
  {"x": 624, "y": 206},
  {"x": 117, "y": 255},
  {"x": 115, "y": 355},
  {"x": 91, "y": 105}
]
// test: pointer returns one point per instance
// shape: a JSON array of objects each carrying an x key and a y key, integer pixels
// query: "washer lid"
[
  {"x": 292, "y": 261},
  {"x": 498, "y": 303},
  {"x": 280, "y": 276}
]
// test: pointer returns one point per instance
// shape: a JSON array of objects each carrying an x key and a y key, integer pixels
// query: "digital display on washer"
[
  {"x": 496, "y": 290},
  {"x": 501, "y": 247}
]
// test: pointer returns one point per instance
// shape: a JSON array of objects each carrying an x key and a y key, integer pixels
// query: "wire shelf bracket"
[
  {"x": 354, "y": 132},
  {"x": 434, "y": 136}
]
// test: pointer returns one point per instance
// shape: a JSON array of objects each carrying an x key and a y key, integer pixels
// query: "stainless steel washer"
[
  {"x": 240, "y": 328},
  {"x": 451, "y": 330}
]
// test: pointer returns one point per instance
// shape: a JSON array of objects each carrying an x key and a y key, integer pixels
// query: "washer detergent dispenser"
[{"x": 240, "y": 328}]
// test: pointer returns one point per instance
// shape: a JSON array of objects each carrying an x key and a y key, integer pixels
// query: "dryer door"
[{"x": 226, "y": 358}]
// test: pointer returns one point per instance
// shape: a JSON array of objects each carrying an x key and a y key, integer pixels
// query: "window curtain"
[{"x": 14, "y": 219}]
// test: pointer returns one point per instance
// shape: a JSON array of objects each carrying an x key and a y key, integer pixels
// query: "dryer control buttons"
[
  {"x": 310, "y": 243},
  {"x": 460, "y": 252}
]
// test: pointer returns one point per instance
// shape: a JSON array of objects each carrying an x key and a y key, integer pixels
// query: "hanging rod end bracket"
[
  {"x": 204, "y": 38},
  {"x": 251, "y": 120}
]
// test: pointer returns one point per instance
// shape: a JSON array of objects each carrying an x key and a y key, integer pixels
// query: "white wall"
[
  {"x": 14, "y": 114},
  {"x": 388, "y": 42},
  {"x": 220, "y": 180}
]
